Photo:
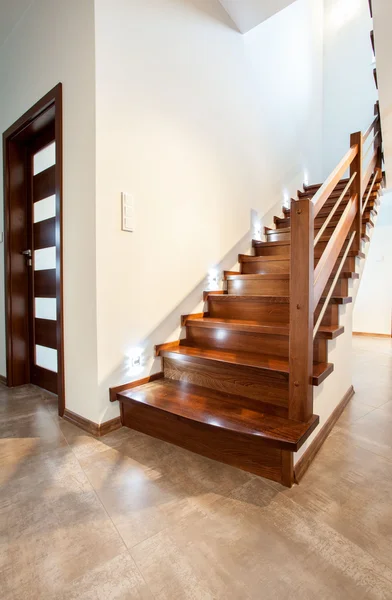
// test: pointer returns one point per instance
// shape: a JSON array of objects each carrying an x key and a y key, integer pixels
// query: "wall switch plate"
[
  {"x": 136, "y": 361},
  {"x": 1, "y": 237},
  {"x": 127, "y": 212}
]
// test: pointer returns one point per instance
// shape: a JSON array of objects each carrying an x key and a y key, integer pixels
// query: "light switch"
[{"x": 127, "y": 212}]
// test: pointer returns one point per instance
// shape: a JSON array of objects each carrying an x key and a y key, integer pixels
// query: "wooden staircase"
[{"x": 238, "y": 387}]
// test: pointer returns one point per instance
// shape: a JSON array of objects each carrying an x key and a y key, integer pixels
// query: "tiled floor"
[{"x": 132, "y": 517}]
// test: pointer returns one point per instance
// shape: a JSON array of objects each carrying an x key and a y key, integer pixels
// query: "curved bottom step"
[{"x": 216, "y": 425}]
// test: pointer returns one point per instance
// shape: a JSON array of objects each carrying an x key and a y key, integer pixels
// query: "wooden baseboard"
[
  {"x": 307, "y": 458},
  {"x": 3, "y": 380},
  {"x": 128, "y": 386},
  {"x": 380, "y": 335},
  {"x": 96, "y": 429}
]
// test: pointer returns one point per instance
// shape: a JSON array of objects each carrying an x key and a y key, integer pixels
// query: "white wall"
[
  {"x": 54, "y": 41},
  {"x": 382, "y": 19},
  {"x": 349, "y": 89},
  {"x": 373, "y": 306},
  {"x": 205, "y": 127}
]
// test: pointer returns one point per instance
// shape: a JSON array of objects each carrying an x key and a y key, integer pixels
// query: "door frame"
[{"x": 46, "y": 111}]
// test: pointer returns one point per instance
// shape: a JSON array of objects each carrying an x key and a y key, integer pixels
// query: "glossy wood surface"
[{"x": 32, "y": 131}]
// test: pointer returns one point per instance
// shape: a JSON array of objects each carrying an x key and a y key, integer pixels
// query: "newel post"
[
  {"x": 301, "y": 310},
  {"x": 357, "y": 185}
]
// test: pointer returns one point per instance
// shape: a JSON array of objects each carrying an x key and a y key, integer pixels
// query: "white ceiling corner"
[{"x": 247, "y": 14}]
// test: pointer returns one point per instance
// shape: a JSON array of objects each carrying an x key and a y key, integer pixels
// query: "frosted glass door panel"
[
  {"x": 45, "y": 259},
  {"x": 46, "y": 358},
  {"x": 45, "y": 209},
  {"x": 44, "y": 159},
  {"x": 45, "y": 308}
]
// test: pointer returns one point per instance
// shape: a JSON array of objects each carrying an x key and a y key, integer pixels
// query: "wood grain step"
[
  {"x": 261, "y": 362},
  {"x": 271, "y": 248},
  {"x": 256, "y": 283},
  {"x": 214, "y": 424},
  {"x": 265, "y": 264},
  {"x": 341, "y": 185},
  {"x": 327, "y": 332},
  {"x": 216, "y": 410},
  {"x": 260, "y": 284}
]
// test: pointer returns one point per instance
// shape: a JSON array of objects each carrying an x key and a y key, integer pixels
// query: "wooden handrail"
[
  {"x": 325, "y": 191},
  {"x": 371, "y": 144},
  {"x": 334, "y": 282},
  {"x": 369, "y": 192},
  {"x": 308, "y": 284},
  {"x": 370, "y": 129},
  {"x": 327, "y": 261},
  {"x": 337, "y": 204},
  {"x": 370, "y": 169}
]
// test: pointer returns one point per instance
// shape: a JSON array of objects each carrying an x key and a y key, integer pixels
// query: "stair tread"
[
  {"x": 217, "y": 409},
  {"x": 260, "y": 276},
  {"x": 272, "y": 258},
  {"x": 271, "y": 299},
  {"x": 259, "y": 244},
  {"x": 278, "y": 276},
  {"x": 245, "y": 359},
  {"x": 329, "y": 331}
]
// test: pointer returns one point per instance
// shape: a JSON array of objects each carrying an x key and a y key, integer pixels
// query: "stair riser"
[
  {"x": 272, "y": 250},
  {"x": 349, "y": 265},
  {"x": 282, "y": 223},
  {"x": 278, "y": 287},
  {"x": 265, "y": 391},
  {"x": 319, "y": 249},
  {"x": 334, "y": 197},
  {"x": 274, "y": 287},
  {"x": 340, "y": 187},
  {"x": 318, "y": 223},
  {"x": 265, "y": 314},
  {"x": 325, "y": 211},
  {"x": 276, "y": 236},
  {"x": 285, "y": 237},
  {"x": 269, "y": 267},
  {"x": 341, "y": 288},
  {"x": 249, "y": 311},
  {"x": 249, "y": 453},
  {"x": 238, "y": 341},
  {"x": 331, "y": 316},
  {"x": 323, "y": 214}
]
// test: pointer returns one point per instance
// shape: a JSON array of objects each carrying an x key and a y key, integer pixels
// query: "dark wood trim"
[
  {"x": 213, "y": 293},
  {"x": 3, "y": 380},
  {"x": 287, "y": 468},
  {"x": 96, "y": 429},
  {"x": 380, "y": 335},
  {"x": 36, "y": 120},
  {"x": 167, "y": 346},
  {"x": 127, "y": 386},
  {"x": 109, "y": 426},
  {"x": 185, "y": 318},
  {"x": 301, "y": 310},
  {"x": 310, "y": 453}
]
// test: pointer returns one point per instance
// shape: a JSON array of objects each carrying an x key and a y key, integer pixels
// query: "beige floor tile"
[
  {"x": 71, "y": 505},
  {"x": 49, "y": 540},
  {"x": 118, "y": 579},
  {"x": 258, "y": 544}
]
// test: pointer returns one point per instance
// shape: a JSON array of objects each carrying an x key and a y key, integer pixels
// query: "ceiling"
[
  {"x": 10, "y": 13},
  {"x": 247, "y": 14}
]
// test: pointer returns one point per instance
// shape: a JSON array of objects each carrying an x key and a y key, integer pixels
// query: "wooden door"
[
  {"x": 40, "y": 259},
  {"x": 33, "y": 247}
]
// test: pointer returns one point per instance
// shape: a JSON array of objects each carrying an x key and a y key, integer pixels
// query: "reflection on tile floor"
[{"x": 128, "y": 516}]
